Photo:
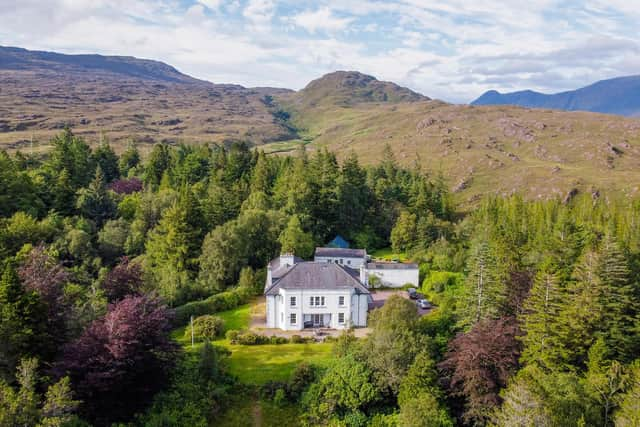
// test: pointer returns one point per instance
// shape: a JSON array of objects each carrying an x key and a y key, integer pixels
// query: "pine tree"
[
  {"x": 107, "y": 160},
  {"x": 169, "y": 253},
  {"x": 94, "y": 202},
  {"x": 294, "y": 240},
  {"x": 484, "y": 293},
  {"x": 22, "y": 321},
  {"x": 582, "y": 314},
  {"x": 617, "y": 299},
  {"x": 261, "y": 175},
  {"x": 541, "y": 310}
]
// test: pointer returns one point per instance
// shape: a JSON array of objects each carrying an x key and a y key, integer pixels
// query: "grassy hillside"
[
  {"x": 492, "y": 149},
  {"x": 479, "y": 149}
]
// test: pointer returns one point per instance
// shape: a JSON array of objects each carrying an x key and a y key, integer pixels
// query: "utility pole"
[{"x": 191, "y": 331}]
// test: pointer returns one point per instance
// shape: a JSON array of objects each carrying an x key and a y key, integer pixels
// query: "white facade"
[
  {"x": 295, "y": 309},
  {"x": 351, "y": 262},
  {"x": 394, "y": 277}
]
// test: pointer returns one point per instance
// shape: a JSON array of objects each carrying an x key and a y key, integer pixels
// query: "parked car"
[
  {"x": 413, "y": 293},
  {"x": 423, "y": 303}
]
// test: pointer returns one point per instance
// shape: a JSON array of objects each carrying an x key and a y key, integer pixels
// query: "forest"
[{"x": 103, "y": 257}]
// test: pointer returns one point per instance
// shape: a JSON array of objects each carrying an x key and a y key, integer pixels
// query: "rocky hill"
[
  {"x": 479, "y": 149},
  {"x": 614, "y": 96},
  {"x": 125, "y": 98}
]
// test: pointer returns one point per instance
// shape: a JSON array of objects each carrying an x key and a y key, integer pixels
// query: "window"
[
  {"x": 349, "y": 261},
  {"x": 293, "y": 301},
  {"x": 341, "y": 261},
  {"x": 293, "y": 318},
  {"x": 340, "y": 318},
  {"x": 316, "y": 301},
  {"x": 341, "y": 300}
]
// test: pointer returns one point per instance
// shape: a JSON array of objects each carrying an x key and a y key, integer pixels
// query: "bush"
[
  {"x": 278, "y": 340},
  {"x": 232, "y": 336},
  {"x": 214, "y": 304},
  {"x": 206, "y": 327},
  {"x": 296, "y": 339},
  {"x": 442, "y": 282}
]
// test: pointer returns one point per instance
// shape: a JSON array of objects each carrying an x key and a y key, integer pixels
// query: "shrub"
[
  {"x": 280, "y": 398},
  {"x": 278, "y": 340},
  {"x": 206, "y": 327},
  {"x": 296, "y": 339},
  {"x": 441, "y": 282},
  {"x": 214, "y": 304},
  {"x": 232, "y": 336}
]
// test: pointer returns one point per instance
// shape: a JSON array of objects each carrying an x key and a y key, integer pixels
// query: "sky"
[{"x": 452, "y": 50}]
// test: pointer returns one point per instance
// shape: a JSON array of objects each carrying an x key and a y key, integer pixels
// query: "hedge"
[{"x": 226, "y": 300}]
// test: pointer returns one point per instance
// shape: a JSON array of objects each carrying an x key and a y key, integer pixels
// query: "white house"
[
  {"x": 331, "y": 291},
  {"x": 352, "y": 258},
  {"x": 394, "y": 274},
  {"x": 314, "y": 294}
]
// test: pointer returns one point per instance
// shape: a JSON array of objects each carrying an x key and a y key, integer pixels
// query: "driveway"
[{"x": 380, "y": 297}]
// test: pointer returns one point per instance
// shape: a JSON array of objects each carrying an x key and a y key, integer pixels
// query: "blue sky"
[{"x": 452, "y": 50}]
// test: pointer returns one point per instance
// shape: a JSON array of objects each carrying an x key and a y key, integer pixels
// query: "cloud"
[
  {"x": 211, "y": 4},
  {"x": 453, "y": 49},
  {"x": 259, "y": 13},
  {"x": 321, "y": 20}
]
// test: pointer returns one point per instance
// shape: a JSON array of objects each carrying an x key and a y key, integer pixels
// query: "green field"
[
  {"x": 248, "y": 411},
  {"x": 258, "y": 364}
]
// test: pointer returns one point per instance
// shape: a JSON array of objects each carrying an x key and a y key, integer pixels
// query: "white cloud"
[
  {"x": 453, "y": 49},
  {"x": 211, "y": 4},
  {"x": 321, "y": 20},
  {"x": 259, "y": 13}
]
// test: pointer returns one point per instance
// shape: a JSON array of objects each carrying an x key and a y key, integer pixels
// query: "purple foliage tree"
[
  {"x": 124, "y": 279},
  {"x": 121, "y": 360},
  {"x": 42, "y": 274},
  {"x": 126, "y": 186}
]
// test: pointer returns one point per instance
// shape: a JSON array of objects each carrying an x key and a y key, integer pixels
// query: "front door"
[{"x": 317, "y": 320}]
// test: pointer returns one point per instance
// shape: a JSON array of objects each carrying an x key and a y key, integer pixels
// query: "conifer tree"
[
  {"x": 107, "y": 160},
  {"x": 294, "y": 240},
  {"x": 484, "y": 293},
  {"x": 617, "y": 298},
  {"x": 261, "y": 175},
  {"x": 169, "y": 252},
  {"x": 540, "y": 320},
  {"x": 94, "y": 202}
]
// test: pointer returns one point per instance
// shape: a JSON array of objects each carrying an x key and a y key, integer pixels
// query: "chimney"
[
  {"x": 363, "y": 274},
  {"x": 269, "y": 277},
  {"x": 287, "y": 259}
]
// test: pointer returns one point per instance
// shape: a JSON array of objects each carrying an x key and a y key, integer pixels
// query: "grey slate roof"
[
  {"x": 340, "y": 252},
  {"x": 316, "y": 275},
  {"x": 277, "y": 270},
  {"x": 391, "y": 266}
]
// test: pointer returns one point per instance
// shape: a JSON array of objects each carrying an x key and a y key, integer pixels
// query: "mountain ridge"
[
  {"x": 619, "y": 95},
  {"x": 480, "y": 149}
]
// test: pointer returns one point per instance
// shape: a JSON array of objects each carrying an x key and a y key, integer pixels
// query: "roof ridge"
[{"x": 273, "y": 285}]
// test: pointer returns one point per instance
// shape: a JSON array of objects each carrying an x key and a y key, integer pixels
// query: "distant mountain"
[
  {"x": 479, "y": 150},
  {"x": 614, "y": 96},
  {"x": 14, "y": 58},
  {"x": 352, "y": 87},
  {"x": 126, "y": 98}
]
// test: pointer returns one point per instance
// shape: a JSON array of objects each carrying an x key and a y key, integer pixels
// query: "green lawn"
[
  {"x": 387, "y": 254},
  {"x": 249, "y": 411},
  {"x": 258, "y": 364},
  {"x": 237, "y": 318}
]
